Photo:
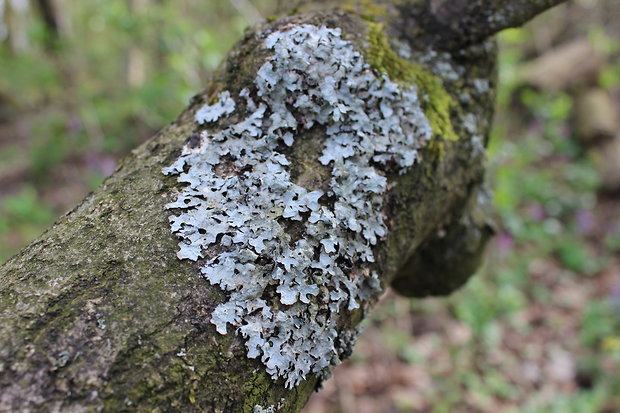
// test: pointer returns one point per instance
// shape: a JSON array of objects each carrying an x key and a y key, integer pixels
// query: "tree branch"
[
  {"x": 444, "y": 24},
  {"x": 455, "y": 24}
]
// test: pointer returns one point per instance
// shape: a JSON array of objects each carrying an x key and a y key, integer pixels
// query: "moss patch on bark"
[{"x": 436, "y": 101}]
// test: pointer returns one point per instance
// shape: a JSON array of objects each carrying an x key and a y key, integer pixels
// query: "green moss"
[
  {"x": 368, "y": 9},
  {"x": 255, "y": 390},
  {"x": 436, "y": 102}
]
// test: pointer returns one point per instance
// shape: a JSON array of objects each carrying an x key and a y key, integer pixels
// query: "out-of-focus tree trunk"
[
  {"x": 15, "y": 15},
  {"x": 135, "y": 64},
  {"x": 99, "y": 314},
  {"x": 49, "y": 14}
]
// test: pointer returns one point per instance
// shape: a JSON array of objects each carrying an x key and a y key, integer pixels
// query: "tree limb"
[{"x": 453, "y": 24}]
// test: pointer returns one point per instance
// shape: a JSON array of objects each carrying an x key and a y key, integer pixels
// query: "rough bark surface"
[
  {"x": 458, "y": 23},
  {"x": 99, "y": 314}
]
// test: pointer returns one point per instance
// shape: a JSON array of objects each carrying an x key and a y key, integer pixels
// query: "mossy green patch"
[
  {"x": 436, "y": 102},
  {"x": 368, "y": 9},
  {"x": 255, "y": 389}
]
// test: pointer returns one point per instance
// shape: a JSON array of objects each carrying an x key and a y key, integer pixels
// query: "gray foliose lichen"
[
  {"x": 260, "y": 409},
  {"x": 287, "y": 292}
]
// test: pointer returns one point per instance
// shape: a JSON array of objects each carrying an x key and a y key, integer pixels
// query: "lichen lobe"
[{"x": 288, "y": 292}]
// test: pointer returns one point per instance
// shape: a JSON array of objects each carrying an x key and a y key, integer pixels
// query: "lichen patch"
[
  {"x": 260, "y": 409},
  {"x": 225, "y": 105},
  {"x": 287, "y": 290}
]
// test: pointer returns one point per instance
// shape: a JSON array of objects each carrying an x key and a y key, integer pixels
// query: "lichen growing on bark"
[
  {"x": 225, "y": 105},
  {"x": 287, "y": 290},
  {"x": 436, "y": 102},
  {"x": 260, "y": 409}
]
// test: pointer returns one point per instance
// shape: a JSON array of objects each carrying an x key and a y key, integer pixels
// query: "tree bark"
[
  {"x": 99, "y": 314},
  {"x": 458, "y": 23}
]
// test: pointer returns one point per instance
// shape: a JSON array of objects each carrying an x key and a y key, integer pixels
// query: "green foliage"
[
  {"x": 21, "y": 218},
  {"x": 80, "y": 99},
  {"x": 28, "y": 78},
  {"x": 88, "y": 74},
  {"x": 580, "y": 402}
]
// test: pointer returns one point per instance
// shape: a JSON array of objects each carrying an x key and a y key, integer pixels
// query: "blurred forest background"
[{"x": 537, "y": 330}]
